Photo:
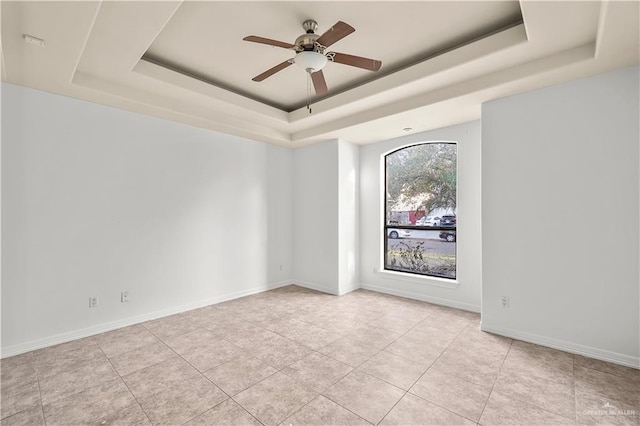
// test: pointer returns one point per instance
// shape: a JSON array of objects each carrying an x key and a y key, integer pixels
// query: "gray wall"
[
  {"x": 325, "y": 190},
  {"x": 98, "y": 200},
  {"x": 315, "y": 216},
  {"x": 560, "y": 220}
]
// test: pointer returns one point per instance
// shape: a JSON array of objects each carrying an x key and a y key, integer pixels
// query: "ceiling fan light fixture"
[
  {"x": 310, "y": 54},
  {"x": 310, "y": 61}
]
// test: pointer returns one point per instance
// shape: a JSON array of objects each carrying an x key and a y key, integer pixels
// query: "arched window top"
[
  {"x": 421, "y": 209},
  {"x": 415, "y": 144}
]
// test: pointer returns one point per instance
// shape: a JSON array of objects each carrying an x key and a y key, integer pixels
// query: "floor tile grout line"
[
  {"x": 35, "y": 372},
  {"x": 425, "y": 372},
  {"x": 280, "y": 370},
  {"x": 442, "y": 406},
  {"x": 238, "y": 393},
  {"x": 82, "y": 365},
  {"x": 357, "y": 366},
  {"x": 135, "y": 348},
  {"x": 530, "y": 404},
  {"x": 340, "y": 405},
  {"x": 229, "y": 397},
  {"x": 437, "y": 358},
  {"x": 495, "y": 381},
  {"x": 394, "y": 406},
  {"x": 44, "y": 419},
  {"x": 420, "y": 322},
  {"x": 129, "y": 389},
  {"x": 322, "y": 355},
  {"x": 407, "y": 391},
  {"x": 184, "y": 380},
  {"x": 575, "y": 393},
  {"x": 86, "y": 388},
  {"x": 379, "y": 349},
  {"x": 463, "y": 378},
  {"x": 383, "y": 380},
  {"x": 527, "y": 401}
]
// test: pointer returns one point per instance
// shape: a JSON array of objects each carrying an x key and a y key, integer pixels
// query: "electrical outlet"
[
  {"x": 93, "y": 301},
  {"x": 124, "y": 296},
  {"x": 505, "y": 302}
]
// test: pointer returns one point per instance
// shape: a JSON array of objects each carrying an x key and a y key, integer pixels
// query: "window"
[{"x": 420, "y": 209}]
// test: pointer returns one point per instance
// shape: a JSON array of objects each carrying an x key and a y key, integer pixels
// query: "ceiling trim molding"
[
  {"x": 459, "y": 89},
  {"x": 226, "y": 98},
  {"x": 235, "y": 126},
  {"x": 2, "y": 61},
  {"x": 84, "y": 43},
  {"x": 602, "y": 21},
  {"x": 3, "y": 68}
]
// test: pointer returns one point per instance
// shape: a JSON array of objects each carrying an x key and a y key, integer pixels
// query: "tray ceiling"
[
  {"x": 204, "y": 39},
  {"x": 187, "y": 62}
]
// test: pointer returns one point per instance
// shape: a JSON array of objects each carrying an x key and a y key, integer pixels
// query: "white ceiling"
[{"x": 441, "y": 60}]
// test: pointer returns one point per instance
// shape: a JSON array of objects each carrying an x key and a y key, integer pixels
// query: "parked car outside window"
[
  {"x": 448, "y": 236},
  {"x": 432, "y": 221},
  {"x": 398, "y": 233},
  {"x": 448, "y": 220}
]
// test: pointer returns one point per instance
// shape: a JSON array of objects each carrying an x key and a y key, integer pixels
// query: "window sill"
[{"x": 418, "y": 279}]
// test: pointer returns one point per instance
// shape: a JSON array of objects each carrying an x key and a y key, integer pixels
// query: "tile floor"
[{"x": 293, "y": 356}]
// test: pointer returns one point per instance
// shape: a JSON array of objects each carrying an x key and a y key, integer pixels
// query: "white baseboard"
[
  {"x": 575, "y": 348},
  {"x": 349, "y": 289},
  {"x": 435, "y": 300},
  {"x": 114, "y": 325},
  {"x": 314, "y": 286}
]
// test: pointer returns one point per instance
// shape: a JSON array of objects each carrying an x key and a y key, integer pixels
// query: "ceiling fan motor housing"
[{"x": 307, "y": 41}]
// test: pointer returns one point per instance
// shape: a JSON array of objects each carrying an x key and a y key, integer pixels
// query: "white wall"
[
  {"x": 98, "y": 200},
  {"x": 325, "y": 211},
  {"x": 560, "y": 216},
  {"x": 315, "y": 216},
  {"x": 348, "y": 217},
  {"x": 465, "y": 293}
]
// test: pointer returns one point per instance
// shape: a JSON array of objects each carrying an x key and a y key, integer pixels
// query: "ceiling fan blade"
[
  {"x": 272, "y": 71},
  {"x": 356, "y": 61},
  {"x": 339, "y": 31},
  {"x": 319, "y": 83},
  {"x": 269, "y": 41}
]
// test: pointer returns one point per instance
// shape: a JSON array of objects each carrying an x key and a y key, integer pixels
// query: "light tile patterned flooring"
[{"x": 293, "y": 356}]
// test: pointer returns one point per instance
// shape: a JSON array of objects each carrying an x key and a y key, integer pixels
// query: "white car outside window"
[
  {"x": 432, "y": 221},
  {"x": 398, "y": 233}
]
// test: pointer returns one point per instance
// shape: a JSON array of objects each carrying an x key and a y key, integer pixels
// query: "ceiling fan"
[{"x": 311, "y": 56}]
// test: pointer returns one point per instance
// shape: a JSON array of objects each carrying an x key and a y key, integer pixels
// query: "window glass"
[{"x": 420, "y": 209}]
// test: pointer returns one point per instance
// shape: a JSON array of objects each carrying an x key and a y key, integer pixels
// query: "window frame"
[{"x": 403, "y": 274}]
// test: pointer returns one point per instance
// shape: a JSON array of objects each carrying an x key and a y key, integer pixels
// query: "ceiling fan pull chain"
[{"x": 309, "y": 91}]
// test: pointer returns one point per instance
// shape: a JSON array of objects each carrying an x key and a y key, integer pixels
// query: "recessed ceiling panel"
[{"x": 204, "y": 40}]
